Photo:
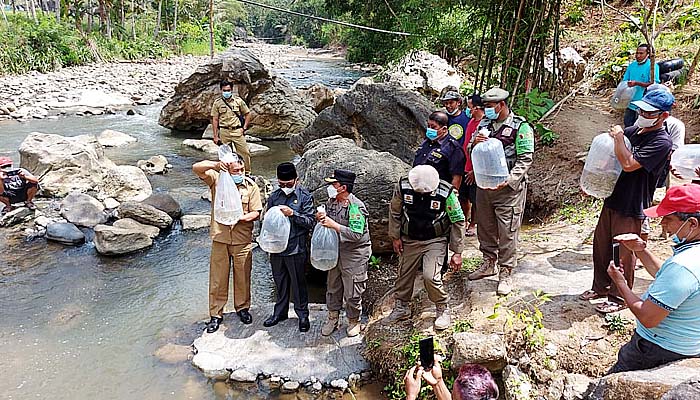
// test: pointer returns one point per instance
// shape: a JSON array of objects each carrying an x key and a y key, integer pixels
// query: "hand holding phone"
[
  {"x": 616, "y": 254},
  {"x": 427, "y": 353}
]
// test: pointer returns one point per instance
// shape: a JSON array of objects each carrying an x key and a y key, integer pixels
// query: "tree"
[{"x": 211, "y": 28}]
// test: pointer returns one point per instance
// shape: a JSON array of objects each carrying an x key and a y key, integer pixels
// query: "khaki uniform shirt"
[
  {"x": 242, "y": 232},
  {"x": 226, "y": 111},
  {"x": 355, "y": 248}
]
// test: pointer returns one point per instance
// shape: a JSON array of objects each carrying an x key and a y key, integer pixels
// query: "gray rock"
[
  {"x": 154, "y": 165},
  {"x": 42, "y": 221},
  {"x": 555, "y": 391},
  {"x": 278, "y": 111},
  {"x": 382, "y": 117},
  {"x": 16, "y": 216},
  {"x": 145, "y": 214},
  {"x": 126, "y": 183},
  {"x": 290, "y": 387},
  {"x": 687, "y": 390},
  {"x": 204, "y": 145},
  {"x": 576, "y": 386},
  {"x": 173, "y": 353},
  {"x": 130, "y": 224},
  {"x": 111, "y": 138},
  {"x": 477, "y": 348},
  {"x": 241, "y": 375},
  {"x": 340, "y": 384},
  {"x": 377, "y": 174},
  {"x": 166, "y": 203},
  {"x": 423, "y": 72},
  {"x": 83, "y": 210},
  {"x": 317, "y": 386},
  {"x": 517, "y": 384},
  {"x": 319, "y": 96},
  {"x": 275, "y": 382},
  {"x": 110, "y": 203},
  {"x": 257, "y": 149},
  {"x": 195, "y": 222},
  {"x": 114, "y": 241},
  {"x": 65, "y": 233}
]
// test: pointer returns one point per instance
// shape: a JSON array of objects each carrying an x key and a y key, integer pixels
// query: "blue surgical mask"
[
  {"x": 468, "y": 112},
  {"x": 491, "y": 113},
  {"x": 237, "y": 179},
  {"x": 675, "y": 239},
  {"x": 226, "y": 95},
  {"x": 431, "y": 133}
]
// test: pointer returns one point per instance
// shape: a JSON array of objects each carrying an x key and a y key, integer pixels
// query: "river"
[{"x": 75, "y": 325}]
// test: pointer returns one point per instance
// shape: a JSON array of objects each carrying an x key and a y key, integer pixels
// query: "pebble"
[
  {"x": 241, "y": 375},
  {"x": 317, "y": 386},
  {"x": 340, "y": 384},
  {"x": 290, "y": 387}
]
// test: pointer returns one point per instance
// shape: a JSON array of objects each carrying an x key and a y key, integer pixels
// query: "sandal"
[
  {"x": 610, "y": 307},
  {"x": 591, "y": 295},
  {"x": 6, "y": 210},
  {"x": 471, "y": 231}
]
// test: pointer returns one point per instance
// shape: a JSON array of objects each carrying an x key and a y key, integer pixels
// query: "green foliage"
[
  {"x": 576, "y": 12},
  {"x": 532, "y": 106},
  {"x": 374, "y": 263},
  {"x": 581, "y": 212},
  {"x": 616, "y": 323},
  {"x": 470, "y": 264},
  {"x": 526, "y": 313},
  {"x": 462, "y": 325},
  {"x": 411, "y": 353}
]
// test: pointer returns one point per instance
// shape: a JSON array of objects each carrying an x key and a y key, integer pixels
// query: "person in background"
[
  {"x": 230, "y": 118},
  {"x": 473, "y": 382},
  {"x": 347, "y": 281},
  {"x": 441, "y": 151},
  {"x": 638, "y": 75},
  {"x": 288, "y": 266},
  {"x": 467, "y": 191},
  {"x": 668, "y": 313},
  {"x": 18, "y": 186},
  {"x": 230, "y": 244},
  {"x": 457, "y": 119}
]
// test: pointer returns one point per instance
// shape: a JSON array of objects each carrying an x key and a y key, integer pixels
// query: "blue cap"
[{"x": 656, "y": 100}]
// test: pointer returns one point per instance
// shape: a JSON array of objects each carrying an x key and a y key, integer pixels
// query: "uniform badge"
[
  {"x": 436, "y": 154},
  {"x": 434, "y": 205},
  {"x": 507, "y": 132},
  {"x": 295, "y": 201},
  {"x": 408, "y": 198}
]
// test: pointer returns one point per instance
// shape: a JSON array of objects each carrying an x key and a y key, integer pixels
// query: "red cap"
[
  {"x": 5, "y": 161},
  {"x": 685, "y": 199}
]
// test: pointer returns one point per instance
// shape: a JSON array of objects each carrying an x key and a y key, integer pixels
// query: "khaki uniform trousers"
[
  {"x": 429, "y": 254},
  {"x": 346, "y": 284},
  {"x": 498, "y": 223},
  {"x": 236, "y": 139},
  {"x": 219, "y": 270}
]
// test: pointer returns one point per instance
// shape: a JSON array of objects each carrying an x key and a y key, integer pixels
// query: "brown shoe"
[{"x": 487, "y": 268}]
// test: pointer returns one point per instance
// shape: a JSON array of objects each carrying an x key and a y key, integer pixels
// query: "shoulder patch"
[{"x": 525, "y": 139}]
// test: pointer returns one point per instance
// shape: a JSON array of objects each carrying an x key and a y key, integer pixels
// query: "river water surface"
[{"x": 75, "y": 325}]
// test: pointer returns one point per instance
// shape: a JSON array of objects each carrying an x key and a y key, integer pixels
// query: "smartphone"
[
  {"x": 616, "y": 254},
  {"x": 427, "y": 353},
  {"x": 219, "y": 142}
]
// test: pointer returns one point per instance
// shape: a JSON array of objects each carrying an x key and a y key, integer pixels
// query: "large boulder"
[
  {"x": 130, "y": 224},
  {"x": 277, "y": 109},
  {"x": 126, "y": 183},
  {"x": 423, "y": 72},
  {"x": 145, "y": 214},
  {"x": 113, "y": 241},
  {"x": 570, "y": 67},
  {"x": 194, "y": 222},
  {"x": 382, "y": 117},
  {"x": 319, "y": 96},
  {"x": 155, "y": 165},
  {"x": 64, "y": 233},
  {"x": 377, "y": 174},
  {"x": 83, "y": 210},
  {"x": 166, "y": 203},
  {"x": 478, "y": 348},
  {"x": 112, "y": 138}
]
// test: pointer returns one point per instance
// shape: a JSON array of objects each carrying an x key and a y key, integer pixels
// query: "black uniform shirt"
[{"x": 445, "y": 155}]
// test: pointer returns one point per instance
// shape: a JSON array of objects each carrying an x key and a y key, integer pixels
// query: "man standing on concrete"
[
  {"x": 638, "y": 75},
  {"x": 347, "y": 281},
  {"x": 230, "y": 118},
  {"x": 501, "y": 209},
  {"x": 623, "y": 210},
  {"x": 425, "y": 219},
  {"x": 288, "y": 266},
  {"x": 230, "y": 243},
  {"x": 441, "y": 151}
]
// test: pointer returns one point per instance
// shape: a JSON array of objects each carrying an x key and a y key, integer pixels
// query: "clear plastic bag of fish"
[
  {"x": 602, "y": 167},
  {"x": 228, "y": 208},
  {"x": 274, "y": 234},
  {"x": 324, "y": 247}
]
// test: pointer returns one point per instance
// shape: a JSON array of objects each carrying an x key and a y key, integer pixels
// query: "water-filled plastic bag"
[
  {"x": 622, "y": 96},
  {"x": 685, "y": 159},
  {"x": 602, "y": 167},
  {"x": 490, "y": 167},
  {"x": 274, "y": 234},
  {"x": 324, "y": 248},
  {"x": 228, "y": 208}
]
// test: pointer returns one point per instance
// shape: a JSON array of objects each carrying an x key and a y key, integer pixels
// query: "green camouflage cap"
[{"x": 494, "y": 94}]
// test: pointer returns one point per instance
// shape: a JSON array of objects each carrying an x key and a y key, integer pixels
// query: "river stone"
[
  {"x": 42, "y": 221},
  {"x": 65, "y": 233},
  {"x": 83, "y": 210},
  {"x": 290, "y": 387},
  {"x": 130, "y": 224},
  {"x": 517, "y": 384},
  {"x": 241, "y": 375},
  {"x": 319, "y": 96},
  {"x": 382, "y": 117},
  {"x": 377, "y": 174},
  {"x": 195, "y": 222},
  {"x": 154, "y": 165},
  {"x": 423, "y": 72},
  {"x": 126, "y": 183},
  {"x": 340, "y": 384},
  {"x": 477, "y": 348},
  {"x": 166, "y": 203},
  {"x": 111, "y": 138},
  {"x": 16, "y": 216},
  {"x": 110, "y": 203},
  {"x": 145, "y": 214},
  {"x": 257, "y": 149},
  {"x": 647, "y": 384},
  {"x": 173, "y": 353},
  {"x": 113, "y": 241},
  {"x": 575, "y": 386},
  {"x": 204, "y": 145},
  {"x": 689, "y": 389},
  {"x": 278, "y": 111}
]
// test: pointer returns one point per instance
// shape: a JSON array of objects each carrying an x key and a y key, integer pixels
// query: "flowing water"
[{"x": 75, "y": 325}]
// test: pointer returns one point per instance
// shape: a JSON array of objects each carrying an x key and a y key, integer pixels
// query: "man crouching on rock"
[
  {"x": 18, "y": 185},
  {"x": 230, "y": 243},
  {"x": 425, "y": 218}
]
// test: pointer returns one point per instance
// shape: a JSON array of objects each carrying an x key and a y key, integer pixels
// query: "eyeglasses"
[{"x": 286, "y": 184}]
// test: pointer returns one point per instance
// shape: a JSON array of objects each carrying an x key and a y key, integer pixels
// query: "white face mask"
[
  {"x": 287, "y": 190},
  {"x": 332, "y": 191},
  {"x": 645, "y": 122}
]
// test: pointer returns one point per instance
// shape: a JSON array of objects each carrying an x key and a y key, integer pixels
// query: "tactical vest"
[
  {"x": 506, "y": 135},
  {"x": 424, "y": 215}
]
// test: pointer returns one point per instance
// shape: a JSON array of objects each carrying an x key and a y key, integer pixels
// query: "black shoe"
[
  {"x": 213, "y": 325},
  {"x": 273, "y": 320},
  {"x": 245, "y": 316},
  {"x": 304, "y": 324}
]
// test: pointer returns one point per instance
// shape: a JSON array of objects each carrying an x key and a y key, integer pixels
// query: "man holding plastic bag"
[
  {"x": 296, "y": 204},
  {"x": 235, "y": 205},
  {"x": 347, "y": 216}
]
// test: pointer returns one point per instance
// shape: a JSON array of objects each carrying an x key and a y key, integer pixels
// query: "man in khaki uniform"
[
  {"x": 347, "y": 215},
  {"x": 226, "y": 114},
  {"x": 501, "y": 209},
  {"x": 230, "y": 243},
  {"x": 424, "y": 212}
]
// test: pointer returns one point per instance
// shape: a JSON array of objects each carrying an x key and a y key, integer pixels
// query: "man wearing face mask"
[
  {"x": 230, "y": 118},
  {"x": 501, "y": 209},
  {"x": 638, "y": 75},
  {"x": 231, "y": 245},
  {"x": 457, "y": 119},
  {"x": 441, "y": 151},
  {"x": 668, "y": 314},
  {"x": 634, "y": 190},
  {"x": 347, "y": 281},
  {"x": 288, "y": 266}
]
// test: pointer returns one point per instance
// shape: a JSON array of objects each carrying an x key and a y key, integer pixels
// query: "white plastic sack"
[
  {"x": 622, "y": 96},
  {"x": 324, "y": 248},
  {"x": 228, "y": 208},
  {"x": 274, "y": 234},
  {"x": 602, "y": 167}
]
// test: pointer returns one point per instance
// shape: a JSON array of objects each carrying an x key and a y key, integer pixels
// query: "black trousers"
[
  {"x": 288, "y": 274},
  {"x": 640, "y": 353}
]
